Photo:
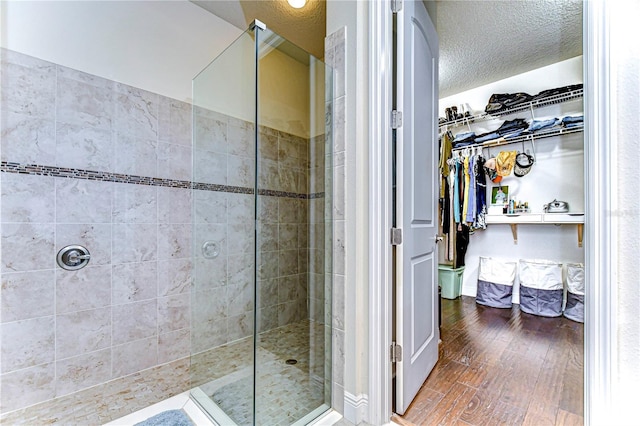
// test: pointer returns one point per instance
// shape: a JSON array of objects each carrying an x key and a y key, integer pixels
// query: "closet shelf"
[
  {"x": 523, "y": 138},
  {"x": 514, "y": 220},
  {"x": 538, "y": 103}
]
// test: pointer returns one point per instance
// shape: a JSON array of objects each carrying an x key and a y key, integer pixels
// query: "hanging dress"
[
  {"x": 481, "y": 194},
  {"x": 471, "y": 206}
]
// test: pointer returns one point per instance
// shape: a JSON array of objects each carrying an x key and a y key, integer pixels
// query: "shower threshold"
[
  {"x": 181, "y": 401},
  {"x": 196, "y": 404},
  {"x": 322, "y": 415}
]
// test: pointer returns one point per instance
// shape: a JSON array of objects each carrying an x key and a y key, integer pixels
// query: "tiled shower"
[
  {"x": 159, "y": 194},
  {"x": 92, "y": 162}
]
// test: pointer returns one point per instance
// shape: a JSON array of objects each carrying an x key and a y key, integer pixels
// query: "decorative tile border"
[{"x": 70, "y": 173}]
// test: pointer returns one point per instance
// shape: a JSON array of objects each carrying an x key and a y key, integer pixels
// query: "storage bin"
[
  {"x": 495, "y": 282},
  {"x": 541, "y": 287},
  {"x": 574, "y": 308},
  {"x": 450, "y": 281}
]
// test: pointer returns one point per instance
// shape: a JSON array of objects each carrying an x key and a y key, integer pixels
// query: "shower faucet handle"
[{"x": 73, "y": 257}]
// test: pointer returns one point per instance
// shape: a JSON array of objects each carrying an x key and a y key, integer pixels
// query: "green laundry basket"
[{"x": 450, "y": 281}]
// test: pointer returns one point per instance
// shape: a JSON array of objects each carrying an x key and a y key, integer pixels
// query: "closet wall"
[{"x": 557, "y": 174}]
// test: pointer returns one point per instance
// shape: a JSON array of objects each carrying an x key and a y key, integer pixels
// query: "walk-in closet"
[{"x": 512, "y": 217}]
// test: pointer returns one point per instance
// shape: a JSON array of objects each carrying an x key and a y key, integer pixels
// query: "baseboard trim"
[{"x": 355, "y": 407}]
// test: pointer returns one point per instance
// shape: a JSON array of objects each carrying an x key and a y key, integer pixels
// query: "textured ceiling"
[
  {"x": 485, "y": 41},
  {"x": 305, "y": 27},
  {"x": 481, "y": 41}
]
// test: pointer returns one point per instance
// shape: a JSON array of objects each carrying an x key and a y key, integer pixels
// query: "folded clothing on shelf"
[
  {"x": 557, "y": 91},
  {"x": 508, "y": 129},
  {"x": 573, "y": 121},
  {"x": 542, "y": 124},
  {"x": 464, "y": 139},
  {"x": 511, "y": 126},
  {"x": 463, "y": 136},
  {"x": 501, "y": 101}
]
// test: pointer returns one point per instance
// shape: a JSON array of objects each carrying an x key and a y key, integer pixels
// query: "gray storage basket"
[
  {"x": 574, "y": 309},
  {"x": 541, "y": 288},
  {"x": 495, "y": 282}
]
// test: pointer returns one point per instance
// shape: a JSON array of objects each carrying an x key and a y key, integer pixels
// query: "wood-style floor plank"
[
  {"x": 474, "y": 375},
  {"x": 507, "y": 414},
  {"x": 572, "y": 398},
  {"x": 502, "y": 366},
  {"x": 480, "y": 408},
  {"x": 445, "y": 375},
  {"x": 425, "y": 402},
  {"x": 546, "y": 394},
  {"x": 569, "y": 419},
  {"x": 448, "y": 410}
]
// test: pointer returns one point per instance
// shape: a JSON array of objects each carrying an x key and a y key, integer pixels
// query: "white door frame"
[
  {"x": 601, "y": 244},
  {"x": 380, "y": 262},
  {"x": 600, "y": 247}
]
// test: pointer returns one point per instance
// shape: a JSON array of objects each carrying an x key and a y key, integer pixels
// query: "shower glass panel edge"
[
  {"x": 283, "y": 251},
  {"x": 223, "y": 217},
  {"x": 293, "y": 339}
]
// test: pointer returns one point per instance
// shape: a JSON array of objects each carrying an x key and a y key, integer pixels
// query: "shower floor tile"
[{"x": 285, "y": 392}]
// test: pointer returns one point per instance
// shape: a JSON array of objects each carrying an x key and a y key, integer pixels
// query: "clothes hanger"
[{"x": 533, "y": 147}]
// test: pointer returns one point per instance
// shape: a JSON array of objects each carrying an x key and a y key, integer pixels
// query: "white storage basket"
[
  {"x": 541, "y": 287},
  {"x": 495, "y": 282},
  {"x": 574, "y": 309}
]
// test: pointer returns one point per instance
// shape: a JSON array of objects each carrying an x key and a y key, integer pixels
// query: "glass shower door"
[
  {"x": 293, "y": 339},
  {"x": 261, "y": 307},
  {"x": 223, "y": 197}
]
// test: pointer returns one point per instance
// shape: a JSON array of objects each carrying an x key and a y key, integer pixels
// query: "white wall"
[
  {"x": 558, "y": 173},
  {"x": 625, "y": 84},
  {"x": 154, "y": 45},
  {"x": 161, "y": 46}
]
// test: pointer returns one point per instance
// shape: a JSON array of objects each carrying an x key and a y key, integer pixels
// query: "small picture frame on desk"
[{"x": 500, "y": 195}]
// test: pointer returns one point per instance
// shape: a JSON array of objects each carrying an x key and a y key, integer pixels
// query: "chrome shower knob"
[{"x": 72, "y": 258}]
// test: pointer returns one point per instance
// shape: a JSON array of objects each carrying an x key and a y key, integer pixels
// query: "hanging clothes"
[
  {"x": 465, "y": 199},
  {"x": 463, "y": 204},
  {"x": 445, "y": 153},
  {"x": 481, "y": 195},
  {"x": 462, "y": 243},
  {"x": 451, "y": 237},
  {"x": 456, "y": 191},
  {"x": 471, "y": 206}
]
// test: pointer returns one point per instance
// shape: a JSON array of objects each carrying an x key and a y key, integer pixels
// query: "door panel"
[
  {"x": 417, "y": 149},
  {"x": 421, "y": 319}
]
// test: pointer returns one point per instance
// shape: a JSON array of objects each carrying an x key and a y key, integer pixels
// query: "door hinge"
[
  {"x": 396, "y": 352},
  {"x": 396, "y": 6},
  {"x": 396, "y": 119},
  {"x": 396, "y": 236}
]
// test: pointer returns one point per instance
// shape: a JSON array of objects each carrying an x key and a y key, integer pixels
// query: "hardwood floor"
[{"x": 502, "y": 367}]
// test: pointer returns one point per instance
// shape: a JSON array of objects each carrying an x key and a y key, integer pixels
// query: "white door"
[{"x": 417, "y": 307}]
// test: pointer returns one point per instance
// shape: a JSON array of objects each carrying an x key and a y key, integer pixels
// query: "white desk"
[{"x": 538, "y": 219}]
